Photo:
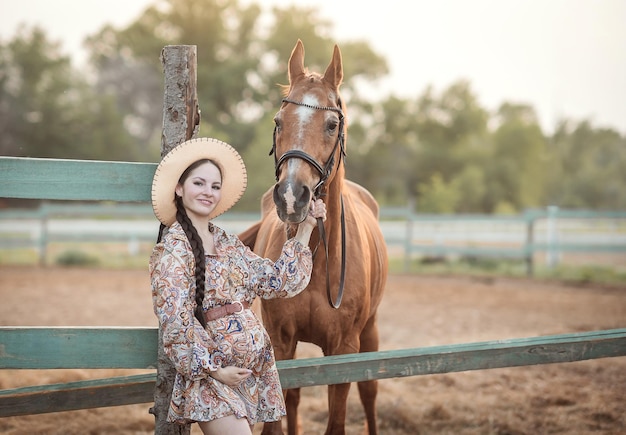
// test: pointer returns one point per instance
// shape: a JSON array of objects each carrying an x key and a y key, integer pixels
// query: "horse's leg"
[
  {"x": 292, "y": 400},
  {"x": 369, "y": 389},
  {"x": 337, "y": 404},
  {"x": 272, "y": 428}
]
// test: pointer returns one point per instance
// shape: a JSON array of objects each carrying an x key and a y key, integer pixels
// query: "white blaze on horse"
[{"x": 337, "y": 311}]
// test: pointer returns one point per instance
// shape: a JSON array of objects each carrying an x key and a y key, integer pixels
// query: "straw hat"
[{"x": 234, "y": 177}]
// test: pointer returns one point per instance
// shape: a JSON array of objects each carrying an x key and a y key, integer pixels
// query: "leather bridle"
[{"x": 324, "y": 172}]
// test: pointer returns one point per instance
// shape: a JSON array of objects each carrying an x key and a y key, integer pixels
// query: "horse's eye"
[
  {"x": 277, "y": 124},
  {"x": 332, "y": 125}
]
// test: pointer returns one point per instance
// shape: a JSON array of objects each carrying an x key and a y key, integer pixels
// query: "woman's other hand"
[{"x": 231, "y": 375}]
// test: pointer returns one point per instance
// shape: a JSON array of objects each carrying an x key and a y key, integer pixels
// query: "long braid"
[{"x": 198, "y": 252}]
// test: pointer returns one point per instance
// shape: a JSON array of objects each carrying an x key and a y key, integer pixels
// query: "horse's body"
[{"x": 310, "y": 120}]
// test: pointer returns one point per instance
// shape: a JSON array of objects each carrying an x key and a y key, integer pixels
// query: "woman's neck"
[{"x": 204, "y": 228}]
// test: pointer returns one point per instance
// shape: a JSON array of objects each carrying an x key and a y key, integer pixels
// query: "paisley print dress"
[{"x": 239, "y": 339}]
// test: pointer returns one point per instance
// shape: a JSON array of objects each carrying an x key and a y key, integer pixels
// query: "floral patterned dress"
[{"x": 239, "y": 339}]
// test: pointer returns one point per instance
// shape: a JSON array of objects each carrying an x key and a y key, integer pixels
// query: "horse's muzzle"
[{"x": 292, "y": 201}]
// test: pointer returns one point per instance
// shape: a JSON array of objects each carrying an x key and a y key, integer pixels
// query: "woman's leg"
[{"x": 226, "y": 425}]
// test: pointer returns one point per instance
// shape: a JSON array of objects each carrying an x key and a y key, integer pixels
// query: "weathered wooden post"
[{"x": 181, "y": 121}]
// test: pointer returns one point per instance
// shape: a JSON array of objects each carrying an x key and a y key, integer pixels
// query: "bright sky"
[{"x": 566, "y": 58}]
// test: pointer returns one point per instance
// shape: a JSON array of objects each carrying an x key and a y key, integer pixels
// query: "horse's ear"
[
  {"x": 334, "y": 71},
  {"x": 296, "y": 62}
]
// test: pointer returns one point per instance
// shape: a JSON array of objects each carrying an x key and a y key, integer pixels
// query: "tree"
[
  {"x": 238, "y": 67},
  {"x": 588, "y": 167},
  {"x": 517, "y": 170},
  {"x": 48, "y": 110}
]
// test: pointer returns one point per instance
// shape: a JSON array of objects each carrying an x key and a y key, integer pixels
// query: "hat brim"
[{"x": 168, "y": 172}]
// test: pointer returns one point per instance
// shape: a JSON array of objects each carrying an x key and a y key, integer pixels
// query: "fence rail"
[
  {"x": 55, "y": 348},
  {"x": 522, "y": 236},
  {"x": 90, "y": 348}
]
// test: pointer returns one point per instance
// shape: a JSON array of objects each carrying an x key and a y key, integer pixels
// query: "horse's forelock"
[{"x": 284, "y": 90}]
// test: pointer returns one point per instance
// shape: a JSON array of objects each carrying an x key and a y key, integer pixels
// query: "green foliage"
[
  {"x": 48, "y": 110},
  {"x": 519, "y": 148},
  {"x": 490, "y": 268},
  {"x": 588, "y": 168},
  {"x": 76, "y": 258},
  {"x": 437, "y": 196},
  {"x": 586, "y": 274},
  {"x": 260, "y": 164},
  {"x": 442, "y": 149}
]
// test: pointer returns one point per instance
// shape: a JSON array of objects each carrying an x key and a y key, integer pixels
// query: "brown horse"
[{"x": 309, "y": 148}]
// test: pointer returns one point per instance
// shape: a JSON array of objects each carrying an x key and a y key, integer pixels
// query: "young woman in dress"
[{"x": 204, "y": 281}]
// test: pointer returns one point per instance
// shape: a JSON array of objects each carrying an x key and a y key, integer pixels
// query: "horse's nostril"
[
  {"x": 276, "y": 194},
  {"x": 305, "y": 197}
]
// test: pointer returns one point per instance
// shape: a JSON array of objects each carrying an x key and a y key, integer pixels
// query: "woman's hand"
[
  {"x": 231, "y": 375},
  {"x": 317, "y": 209}
]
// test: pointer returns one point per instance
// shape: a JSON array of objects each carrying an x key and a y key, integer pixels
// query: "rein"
[{"x": 324, "y": 172}]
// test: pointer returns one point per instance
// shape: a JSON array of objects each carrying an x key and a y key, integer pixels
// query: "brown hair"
[
  {"x": 197, "y": 248},
  {"x": 198, "y": 254}
]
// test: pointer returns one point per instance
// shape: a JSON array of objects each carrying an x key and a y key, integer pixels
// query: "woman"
[{"x": 203, "y": 283}]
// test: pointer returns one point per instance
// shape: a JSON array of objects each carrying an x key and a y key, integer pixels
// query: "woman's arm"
[
  {"x": 285, "y": 277},
  {"x": 317, "y": 209},
  {"x": 191, "y": 349}
]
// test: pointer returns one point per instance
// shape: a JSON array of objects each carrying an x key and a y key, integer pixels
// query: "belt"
[{"x": 224, "y": 310}]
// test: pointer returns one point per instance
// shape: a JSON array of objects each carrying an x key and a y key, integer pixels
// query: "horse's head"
[{"x": 308, "y": 136}]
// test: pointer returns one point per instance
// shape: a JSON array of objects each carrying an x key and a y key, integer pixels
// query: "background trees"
[{"x": 444, "y": 149}]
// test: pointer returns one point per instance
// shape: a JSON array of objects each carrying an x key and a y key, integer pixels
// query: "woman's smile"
[{"x": 202, "y": 190}]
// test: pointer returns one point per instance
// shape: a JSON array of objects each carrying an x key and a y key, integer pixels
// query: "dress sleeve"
[
  {"x": 286, "y": 277},
  {"x": 192, "y": 351}
]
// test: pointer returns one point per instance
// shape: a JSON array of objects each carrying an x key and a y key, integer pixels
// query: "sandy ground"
[{"x": 586, "y": 397}]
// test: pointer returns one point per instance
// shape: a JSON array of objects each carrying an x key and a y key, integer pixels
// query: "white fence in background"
[{"x": 408, "y": 234}]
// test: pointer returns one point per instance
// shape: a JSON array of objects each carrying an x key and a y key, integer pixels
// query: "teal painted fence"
[
  {"x": 415, "y": 234},
  {"x": 48, "y": 348},
  {"x": 55, "y": 348}
]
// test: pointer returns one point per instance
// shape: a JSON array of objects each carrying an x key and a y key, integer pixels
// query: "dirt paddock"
[{"x": 587, "y": 397}]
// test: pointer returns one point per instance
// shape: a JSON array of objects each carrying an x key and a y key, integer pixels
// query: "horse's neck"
[{"x": 333, "y": 201}]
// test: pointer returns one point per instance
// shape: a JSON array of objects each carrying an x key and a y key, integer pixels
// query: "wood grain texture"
[{"x": 295, "y": 373}]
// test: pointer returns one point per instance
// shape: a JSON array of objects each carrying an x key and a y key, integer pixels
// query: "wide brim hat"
[{"x": 168, "y": 172}]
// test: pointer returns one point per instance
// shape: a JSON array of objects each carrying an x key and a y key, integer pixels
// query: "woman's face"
[{"x": 201, "y": 191}]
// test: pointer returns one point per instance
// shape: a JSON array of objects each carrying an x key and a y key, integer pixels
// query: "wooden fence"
[
  {"x": 49, "y": 348},
  {"x": 550, "y": 231},
  {"x": 429, "y": 234},
  {"x": 136, "y": 348}
]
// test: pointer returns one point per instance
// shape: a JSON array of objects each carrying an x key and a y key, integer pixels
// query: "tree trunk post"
[{"x": 181, "y": 121}]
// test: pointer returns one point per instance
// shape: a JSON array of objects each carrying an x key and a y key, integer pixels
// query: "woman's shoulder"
[
  {"x": 174, "y": 241},
  {"x": 225, "y": 239},
  {"x": 173, "y": 234},
  {"x": 222, "y": 234}
]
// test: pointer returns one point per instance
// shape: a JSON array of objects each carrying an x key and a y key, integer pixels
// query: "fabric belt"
[{"x": 226, "y": 309}]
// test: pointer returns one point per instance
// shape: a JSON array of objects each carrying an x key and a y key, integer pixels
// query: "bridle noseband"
[{"x": 324, "y": 172}]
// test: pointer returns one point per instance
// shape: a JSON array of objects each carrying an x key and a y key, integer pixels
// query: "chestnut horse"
[{"x": 309, "y": 149}]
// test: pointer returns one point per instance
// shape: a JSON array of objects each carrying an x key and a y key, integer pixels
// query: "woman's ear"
[{"x": 179, "y": 190}]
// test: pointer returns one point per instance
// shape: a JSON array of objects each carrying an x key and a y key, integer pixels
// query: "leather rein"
[{"x": 324, "y": 172}]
